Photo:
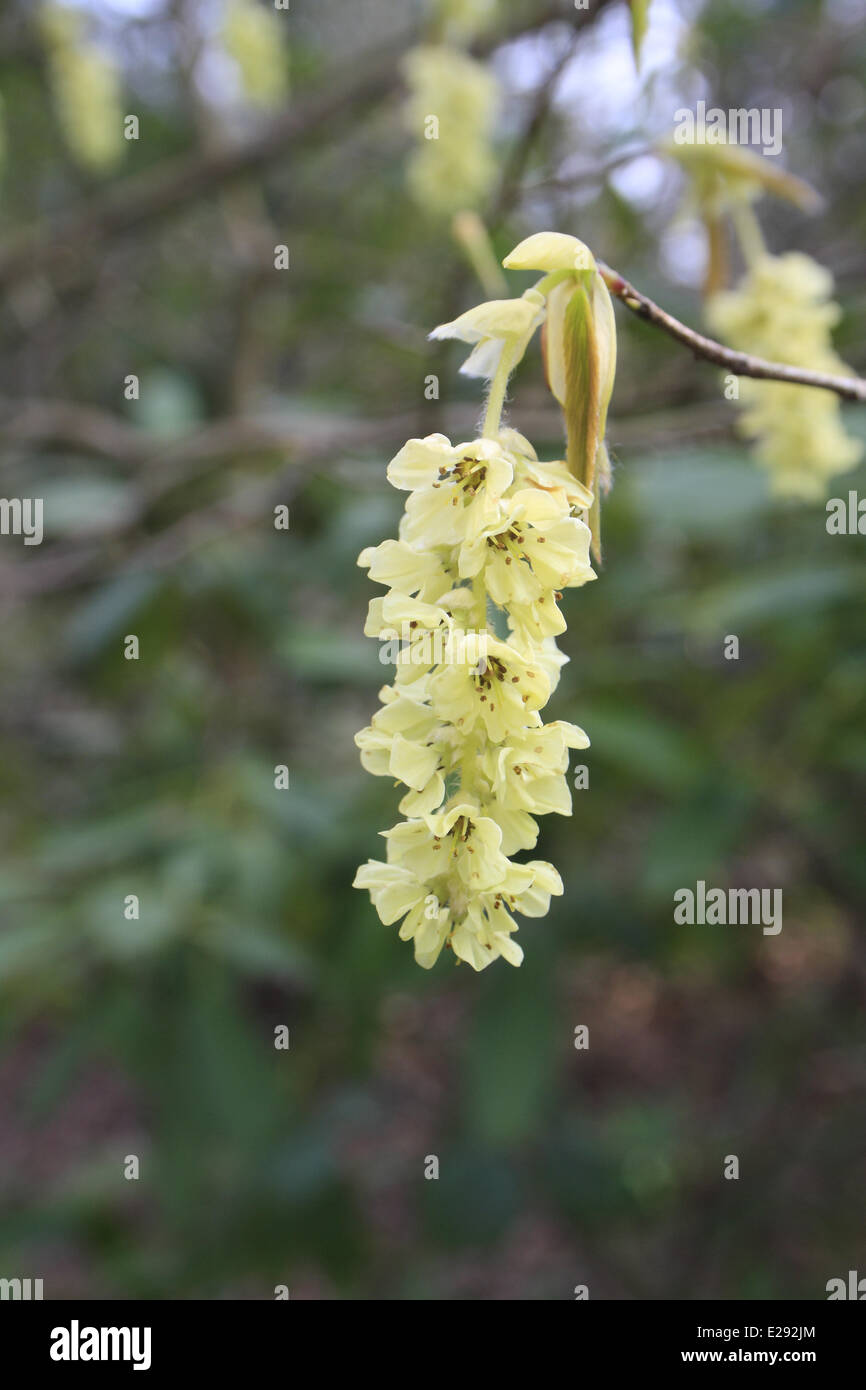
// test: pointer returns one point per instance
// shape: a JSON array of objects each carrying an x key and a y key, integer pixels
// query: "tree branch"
[{"x": 740, "y": 363}]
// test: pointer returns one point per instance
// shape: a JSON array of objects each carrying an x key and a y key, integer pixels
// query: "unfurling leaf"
[
  {"x": 579, "y": 347},
  {"x": 582, "y": 385}
]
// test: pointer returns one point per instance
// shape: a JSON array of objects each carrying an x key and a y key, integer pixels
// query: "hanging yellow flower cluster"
[
  {"x": 450, "y": 111},
  {"x": 85, "y": 87},
  {"x": 782, "y": 310},
  {"x": 489, "y": 538},
  {"x": 253, "y": 39}
]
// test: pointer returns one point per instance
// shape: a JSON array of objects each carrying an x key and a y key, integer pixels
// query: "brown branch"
[
  {"x": 73, "y": 564},
  {"x": 160, "y": 468},
  {"x": 37, "y": 424},
  {"x": 740, "y": 363}
]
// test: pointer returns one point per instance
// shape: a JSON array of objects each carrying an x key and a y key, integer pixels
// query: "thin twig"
[
  {"x": 740, "y": 363},
  {"x": 580, "y": 178},
  {"x": 512, "y": 177}
]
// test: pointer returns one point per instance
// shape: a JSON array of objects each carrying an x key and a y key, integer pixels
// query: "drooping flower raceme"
[
  {"x": 489, "y": 539},
  {"x": 450, "y": 111},
  {"x": 782, "y": 310},
  {"x": 253, "y": 38},
  {"x": 86, "y": 89}
]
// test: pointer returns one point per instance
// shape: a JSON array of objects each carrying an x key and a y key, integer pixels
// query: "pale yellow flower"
[
  {"x": 253, "y": 37},
  {"x": 534, "y": 547},
  {"x": 455, "y": 492},
  {"x": 86, "y": 88},
  {"x": 450, "y": 112},
  {"x": 492, "y": 327},
  {"x": 496, "y": 694},
  {"x": 412, "y": 571},
  {"x": 782, "y": 310}
]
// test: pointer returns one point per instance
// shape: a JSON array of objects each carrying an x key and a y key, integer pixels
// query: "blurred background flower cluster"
[{"x": 154, "y": 257}]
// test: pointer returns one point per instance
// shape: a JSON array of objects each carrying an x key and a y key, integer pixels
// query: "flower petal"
[
  {"x": 550, "y": 251},
  {"x": 419, "y": 461}
]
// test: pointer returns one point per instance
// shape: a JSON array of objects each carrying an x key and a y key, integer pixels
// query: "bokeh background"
[{"x": 259, "y": 386}]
